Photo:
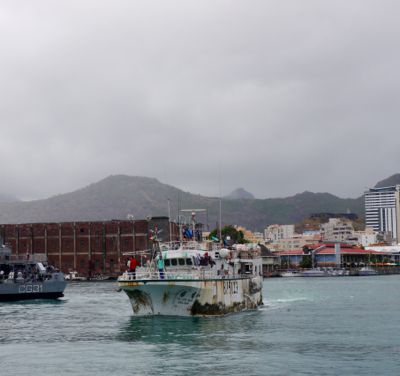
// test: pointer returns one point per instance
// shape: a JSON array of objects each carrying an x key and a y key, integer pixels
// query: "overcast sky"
[{"x": 277, "y": 97}]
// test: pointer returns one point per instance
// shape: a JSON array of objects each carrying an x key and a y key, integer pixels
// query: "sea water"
[{"x": 308, "y": 326}]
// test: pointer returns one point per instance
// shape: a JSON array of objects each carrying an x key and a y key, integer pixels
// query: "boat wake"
[{"x": 281, "y": 303}]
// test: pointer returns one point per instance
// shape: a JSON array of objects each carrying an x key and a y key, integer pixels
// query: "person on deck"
[
  {"x": 132, "y": 267},
  {"x": 160, "y": 266}
]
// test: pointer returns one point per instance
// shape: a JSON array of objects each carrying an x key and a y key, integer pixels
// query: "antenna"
[{"x": 169, "y": 221}]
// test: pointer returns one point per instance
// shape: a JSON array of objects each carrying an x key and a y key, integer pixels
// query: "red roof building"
[{"x": 324, "y": 254}]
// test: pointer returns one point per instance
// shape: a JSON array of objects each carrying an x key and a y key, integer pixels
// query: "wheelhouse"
[{"x": 178, "y": 262}]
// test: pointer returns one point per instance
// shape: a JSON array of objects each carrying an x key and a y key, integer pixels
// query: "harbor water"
[{"x": 308, "y": 326}]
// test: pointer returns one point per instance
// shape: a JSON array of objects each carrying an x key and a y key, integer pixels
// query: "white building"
[
  {"x": 382, "y": 210},
  {"x": 337, "y": 230},
  {"x": 274, "y": 233},
  {"x": 297, "y": 241},
  {"x": 367, "y": 237}
]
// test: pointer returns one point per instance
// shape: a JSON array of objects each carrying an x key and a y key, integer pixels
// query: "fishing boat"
[
  {"x": 28, "y": 277},
  {"x": 195, "y": 279}
]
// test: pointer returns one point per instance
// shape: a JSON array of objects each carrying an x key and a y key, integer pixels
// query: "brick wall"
[{"x": 88, "y": 247}]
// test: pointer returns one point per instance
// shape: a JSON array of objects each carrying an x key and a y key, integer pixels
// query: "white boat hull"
[
  {"x": 290, "y": 274},
  {"x": 366, "y": 272},
  {"x": 210, "y": 297},
  {"x": 314, "y": 273}
]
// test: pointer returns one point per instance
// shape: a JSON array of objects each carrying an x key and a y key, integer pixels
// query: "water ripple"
[{"x": 343, "y": 326}]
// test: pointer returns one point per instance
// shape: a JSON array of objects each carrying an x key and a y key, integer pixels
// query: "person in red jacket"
[{"x": 132, "y": 267}]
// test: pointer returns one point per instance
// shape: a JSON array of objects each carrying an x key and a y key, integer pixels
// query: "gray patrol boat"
[{"x": 28, "y": 277}]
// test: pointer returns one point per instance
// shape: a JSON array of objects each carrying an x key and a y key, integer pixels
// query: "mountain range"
[{"x": 118, "y": 196}]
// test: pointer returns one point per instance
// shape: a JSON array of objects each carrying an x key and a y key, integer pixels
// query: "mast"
[
  {"x": 220, "y": 207},
  {"x": 169, "y": 221},
  {"x": 220, "y": 220}
]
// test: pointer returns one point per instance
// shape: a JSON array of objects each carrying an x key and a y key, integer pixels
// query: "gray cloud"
[{"x": 277, "y": 97}]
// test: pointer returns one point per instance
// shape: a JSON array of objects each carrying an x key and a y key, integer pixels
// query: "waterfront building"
[
  {"x": 291, "y": 258},
  {"x": 297, "y": 241},
  {"x": 274, "y": 233},
  {"x": 367, "y": 237},
  {"x": 326, "y": 255},
  {"x": 382, "y": 210},
  {"x": 284, "y": 238},
  {"x": 270, "y": 262},
  {"x": 337, "y": 230},
  {"x": 392, "y": 251},
  {"x": 252, "y": 237}
]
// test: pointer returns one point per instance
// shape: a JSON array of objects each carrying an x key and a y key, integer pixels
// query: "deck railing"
[{"x": 197, "y": 275}]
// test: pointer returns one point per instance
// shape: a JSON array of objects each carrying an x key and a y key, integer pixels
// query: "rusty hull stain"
[
  {"x": 216, "y": 309},
  {"x": 165, "y": 297},
  {"x": 141, "y": 299}
]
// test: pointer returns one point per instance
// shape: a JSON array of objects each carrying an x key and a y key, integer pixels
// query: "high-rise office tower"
[{"x": 382, "y": 210}]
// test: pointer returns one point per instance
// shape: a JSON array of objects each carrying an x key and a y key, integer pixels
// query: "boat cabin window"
[
  {"x": 189, "y": 261},
  {"x": 248, "y": 268},
  {"x": 181, "y": 261},
  {"x": 174, "y": 262},
  {"x": 167, "y": 262}
]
